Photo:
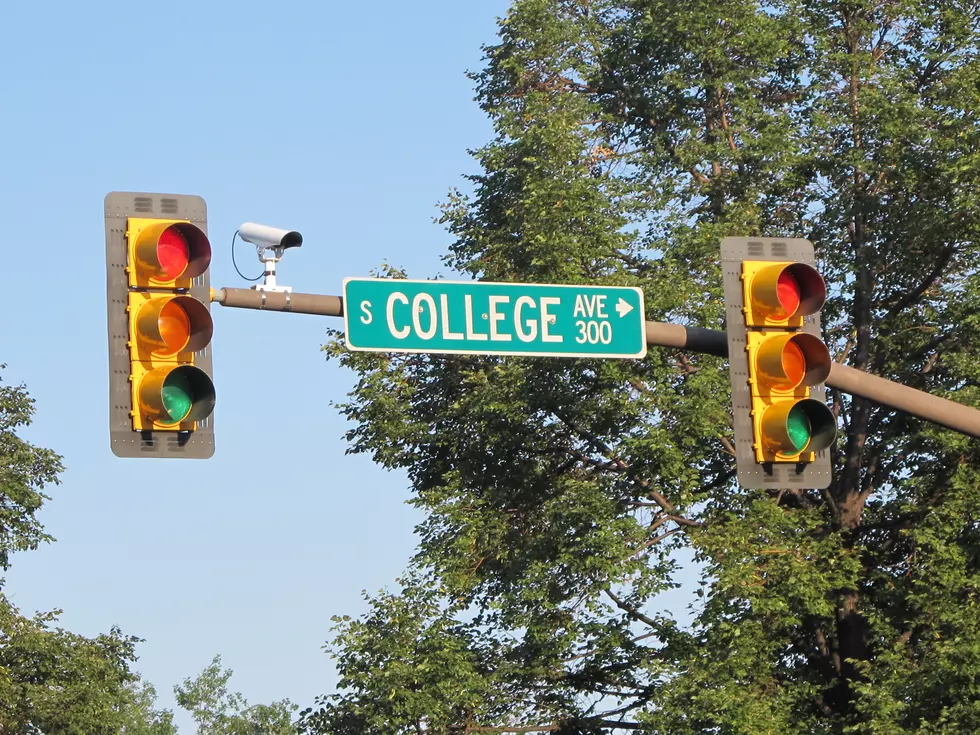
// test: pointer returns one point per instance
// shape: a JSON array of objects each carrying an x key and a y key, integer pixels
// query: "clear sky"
[{"x": 346, "y": 121}]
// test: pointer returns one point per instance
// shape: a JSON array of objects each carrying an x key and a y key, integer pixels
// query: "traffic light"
[
  {"x": 778, "y": 362},
  {"x": 158, "y": 306}
]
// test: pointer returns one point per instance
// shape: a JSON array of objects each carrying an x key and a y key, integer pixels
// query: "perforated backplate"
[
  {"x": 126, "y": 442},
  {"x": 751, "y": 474}
]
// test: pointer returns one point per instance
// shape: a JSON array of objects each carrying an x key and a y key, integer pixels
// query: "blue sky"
[{"x": 346, "y": 121}]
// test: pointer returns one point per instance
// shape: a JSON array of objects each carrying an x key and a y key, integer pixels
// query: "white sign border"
[{"x": 502, "y": 353}]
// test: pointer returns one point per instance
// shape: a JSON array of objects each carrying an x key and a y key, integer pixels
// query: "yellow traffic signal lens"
[
  {"x": 794, "y": 364},
  {"x": 172, "y": 394},
  {"x": 175, "y": 327},
  {"x": 168, "y": 325},
  {"x": 786, "y": 360}
]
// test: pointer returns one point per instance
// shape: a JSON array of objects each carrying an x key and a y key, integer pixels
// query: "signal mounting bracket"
[{"x": 269, "y": 263}]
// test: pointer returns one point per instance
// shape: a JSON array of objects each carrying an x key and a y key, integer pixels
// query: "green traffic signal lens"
[
  {"x": 792, "y": 426},
  {"x": 177, "y": 396},
  {"x": 798, "y": 427},
  {"x": 171, "y": 395}
]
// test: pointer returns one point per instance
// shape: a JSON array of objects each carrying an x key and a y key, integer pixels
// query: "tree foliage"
[
  {"x": 216, "y": 711},
  {"x": 54, "y": 681},
  {"x": 565, "y": 500},
  {"x": 142, "y": 716},
  {"x": 25, "y": 470}
]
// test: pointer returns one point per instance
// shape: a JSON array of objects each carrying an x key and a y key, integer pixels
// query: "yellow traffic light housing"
[
  {"x": 781, "y": 294},
  {"x": 788, "y": 425},
  {"x": 160, "y": 327},
  {"x": 167, "y": 326},
  {"x": 169, "y": 392},
  {"x": 778, "y": 362}
]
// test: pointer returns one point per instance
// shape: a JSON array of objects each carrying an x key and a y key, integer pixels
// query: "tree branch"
[
  {"x": 916, "y": 293},
  {"x": 631, "y": 611},
  {"x": 601, "y": 447},
  {"x": 530, "y": 728}
]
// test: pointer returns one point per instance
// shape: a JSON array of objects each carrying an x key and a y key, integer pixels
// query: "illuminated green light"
[
  {"x": 177, "y": 396},
  {"x": 798, "y": 427}
]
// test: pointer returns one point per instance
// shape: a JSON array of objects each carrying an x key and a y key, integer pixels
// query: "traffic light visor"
[
  {"x": 168, "y": 250},
  {"x": 784, "y": 291}
]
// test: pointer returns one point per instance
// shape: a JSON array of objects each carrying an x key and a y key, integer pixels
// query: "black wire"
[{"x": 236, "y": 264}]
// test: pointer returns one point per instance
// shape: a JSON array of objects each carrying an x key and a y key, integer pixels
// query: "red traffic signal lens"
[
  {"x": 168, "y": 250},
  {"x": 173, "y": 252},
  {"x": 784, "y": 291},
  {"x": 788, "y": 292}
]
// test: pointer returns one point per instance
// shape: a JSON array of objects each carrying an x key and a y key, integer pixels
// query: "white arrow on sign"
[{"x": 623, "y": 308}]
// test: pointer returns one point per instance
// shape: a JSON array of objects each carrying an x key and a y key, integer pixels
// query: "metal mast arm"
[{"x": 941, "y": 411}]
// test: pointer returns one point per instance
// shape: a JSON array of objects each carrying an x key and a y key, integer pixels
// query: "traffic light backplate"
[
  {"x": 742, "y": 321},
  {"x": 133, "y": 210}
]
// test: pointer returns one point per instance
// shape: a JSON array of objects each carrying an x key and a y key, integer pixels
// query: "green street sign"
[{"x": 480, "y": 318}]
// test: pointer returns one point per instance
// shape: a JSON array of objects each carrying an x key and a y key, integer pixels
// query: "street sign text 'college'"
[{"x": 481, "y": 318}]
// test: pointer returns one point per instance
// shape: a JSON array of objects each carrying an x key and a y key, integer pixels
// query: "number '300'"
[{"x": 593, "y": 332}]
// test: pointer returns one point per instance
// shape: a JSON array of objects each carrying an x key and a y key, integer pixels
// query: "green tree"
[
  {"x": 220, "y": 712},
  {"x": 142, "y": 717},
  {"x": 53, "y": 681},
  {"x": 562, "y": 497},
  {"x": 25, "y": 470}
]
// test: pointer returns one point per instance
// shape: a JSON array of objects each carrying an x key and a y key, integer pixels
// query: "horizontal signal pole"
[
  {"x": 941, "y": 411},
  {"x": 301, "y": 303}
]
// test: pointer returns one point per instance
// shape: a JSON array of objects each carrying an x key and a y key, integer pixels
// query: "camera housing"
[
  {"x": 270, "y": 242},
  {"x": 269, "y": 238}
]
